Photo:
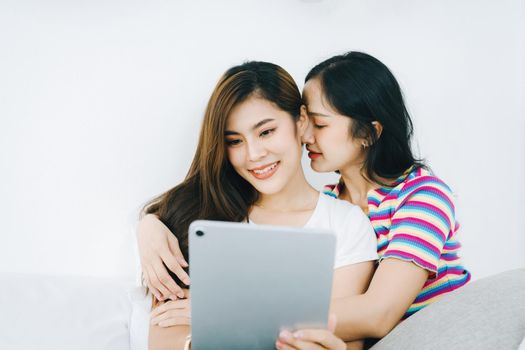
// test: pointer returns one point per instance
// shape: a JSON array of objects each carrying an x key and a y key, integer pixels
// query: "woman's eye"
[
  {"x": 233, "y": 142},
  {"x": 317, "y": 126},
  {"x": 267, "y": 132}
]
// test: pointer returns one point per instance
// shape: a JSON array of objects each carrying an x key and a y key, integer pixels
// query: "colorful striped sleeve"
[{"x": 423, "y": 219}]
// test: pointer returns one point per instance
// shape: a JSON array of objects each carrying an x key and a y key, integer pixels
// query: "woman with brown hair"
[{"x": 247, "y": 168}]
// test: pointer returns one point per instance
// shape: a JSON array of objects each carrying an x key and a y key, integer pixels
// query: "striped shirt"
[{"x": 414, "y": 220}]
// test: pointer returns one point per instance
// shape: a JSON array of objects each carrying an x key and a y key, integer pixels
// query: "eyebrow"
[
  {"x": 256, "y": 126},
  {"x": 316, "y": 114}
]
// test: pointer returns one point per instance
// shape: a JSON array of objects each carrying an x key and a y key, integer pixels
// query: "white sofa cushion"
[{"x": 57, "y": 312}]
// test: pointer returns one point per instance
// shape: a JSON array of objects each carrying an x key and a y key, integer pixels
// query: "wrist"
[{"x": 146, "y": 223}]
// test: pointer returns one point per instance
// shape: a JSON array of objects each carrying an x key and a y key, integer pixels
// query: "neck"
[
  {"x": 356, "y": 186},
  {"x": 297, "y": 195}
]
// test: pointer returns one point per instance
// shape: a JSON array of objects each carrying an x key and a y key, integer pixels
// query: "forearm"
[
  {"x": 359, "y": 317},
  {"x": 394, "y": 287},
  {"x": 349, "y": 285},
  {"x": 355, "y": 345},
  {"x": 170, "y": 338}
]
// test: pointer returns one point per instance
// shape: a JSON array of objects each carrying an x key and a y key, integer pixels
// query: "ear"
[
  {"x": 303, "y": 122},
  {"x": 379, "y": 129}
]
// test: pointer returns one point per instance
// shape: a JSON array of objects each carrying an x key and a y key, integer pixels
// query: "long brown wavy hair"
[{"x": 212, "y": 189}]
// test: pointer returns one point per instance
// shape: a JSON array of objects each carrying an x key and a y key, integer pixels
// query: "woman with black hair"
[{"x": 361, "y": 129}]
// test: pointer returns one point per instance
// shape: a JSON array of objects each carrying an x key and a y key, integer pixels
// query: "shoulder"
[
  {"x": 343, "y": 215},
  {"x": 421, "y": 178},
  {"x": 423, "y": 181},
  {"x": 425, "y": 195},
  {"x": 339, "y": 207}
]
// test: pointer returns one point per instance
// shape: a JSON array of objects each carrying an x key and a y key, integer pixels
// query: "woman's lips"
[
  {"x": 314, "y": 155},
  {"x": 266, "y": 171}
]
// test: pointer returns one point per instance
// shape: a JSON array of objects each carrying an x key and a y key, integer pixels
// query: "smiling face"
[
  {"x": 330, "y": 145},
  {"x": 264, "y": 144}
]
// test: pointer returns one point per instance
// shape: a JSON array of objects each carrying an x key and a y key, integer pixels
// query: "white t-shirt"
[{"x": 355, "y": 237}]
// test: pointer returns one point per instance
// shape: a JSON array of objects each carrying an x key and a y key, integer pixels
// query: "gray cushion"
[{"x": 485, "y": 314}]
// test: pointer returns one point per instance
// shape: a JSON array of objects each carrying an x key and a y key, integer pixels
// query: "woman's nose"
[
  {"x": 308, "y": 136},
  {"x": 256, "y": 151}
]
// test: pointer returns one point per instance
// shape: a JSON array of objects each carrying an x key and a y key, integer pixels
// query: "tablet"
[{"x": 249, "y": 282}]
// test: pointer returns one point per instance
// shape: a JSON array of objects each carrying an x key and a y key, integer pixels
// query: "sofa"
[
  {"x": 63, "y": 312},
  {"x": 485, "y": 314}
]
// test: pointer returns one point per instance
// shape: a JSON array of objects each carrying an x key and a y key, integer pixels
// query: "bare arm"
[
  {"x": 394, "y": 287},
  {"x": 171, "y": 338},
  {"x": 352, "y": 279},
  {"x": 170, "y": 324},
  {"x": 349, "y": 281}
]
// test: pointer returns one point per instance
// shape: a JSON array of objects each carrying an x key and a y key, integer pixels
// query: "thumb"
[{"x": 332, "y": 322}]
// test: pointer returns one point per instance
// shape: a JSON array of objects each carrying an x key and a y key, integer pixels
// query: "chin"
[
  {"x": 269, "y": 186},
  {"x": 269, "y": 189},
  {"x": 319, "y": 167}
]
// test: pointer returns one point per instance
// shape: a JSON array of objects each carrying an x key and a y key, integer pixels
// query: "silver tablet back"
[{"x": 251, "y": 281}]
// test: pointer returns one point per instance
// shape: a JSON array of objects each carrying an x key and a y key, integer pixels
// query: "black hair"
[{"x": 362, "y": 88}]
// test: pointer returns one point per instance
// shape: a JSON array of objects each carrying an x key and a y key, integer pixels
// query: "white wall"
[{"x": 101, "y": 102}]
